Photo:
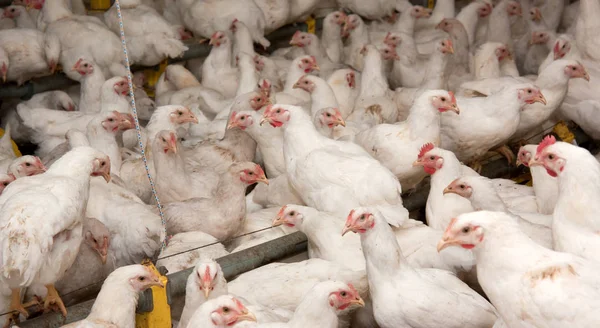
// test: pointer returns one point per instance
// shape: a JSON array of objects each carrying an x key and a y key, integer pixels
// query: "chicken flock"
[{"x": 388, "y": 99}]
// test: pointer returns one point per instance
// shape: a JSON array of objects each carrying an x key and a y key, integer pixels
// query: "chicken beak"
[
  {"x": 232, "y": 124},
  {"x": 106, "y": 176},
  {"x": 156, "y": 282},
  {"x": 450, "y": 49},
  {"x": 540, "y": 98},
  {"x": 264, "y": 180},
  {"x": 586, "y": 76},
  {"x": 358, "y": 301},
  {"x": 28, "y": 7},
  {"x": 246, "y": 316},
  {"x": 278, "y": 221},
  {"x": 346, "y": 229},
  {"x": 103, "y": 258},
  {"x": 296, "y": 86},
  {"x": 316, "y": 68},
  {"x": 455, "y": 109},
  {"x": 191, "y": 118},
  {"x": 518, "y": 162},
  {"x": 418, "y": 162},
  {"x": 439, "y": 25},
  {"x": 446, "y": 242},
  {"x": 172, "y": 145},
  {"x": 52, "y": 66},
  {"x": 341, "y": 122},
  {"x": 449, "y": 190},
  {"x": 535, "y": 162}
]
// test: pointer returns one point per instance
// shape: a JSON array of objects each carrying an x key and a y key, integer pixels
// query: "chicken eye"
[
  {"x": 164, "y": 140},
  {"x": 432, "y": 157},
  {"x": 443, "y": 98},
  {"x": 278, "y": 111},
  {"x": 528, "y": 90},
  {"x": 259, "y": 99},
  {"x": 466, "y": 229},
  {"x": 292, "y": 213},
  {"x": 250, "y": 173},
  {"x": 343, "y": 294},
  {"x": 462, "y": 186},
  {"x": 86, "y": 65},
  {"x": 328, "y": 115},
  {"x": 12, "y": 10},
  {"x": 550, "y": 157},
  {"x": 27, "y": 164},
  {"x": 141, "y": 278},
  {"x": 225, "y": 309},
  {"x": 5, "y": 184},
  {"x": 243, "y": 118},
  {"x": 102, "y": 163},
  {"x": 362, "y": 217},
  {"x": 564, "y": 45},
  {"x": 111, "y": 119},
  {"x": 573, "y": 68}
]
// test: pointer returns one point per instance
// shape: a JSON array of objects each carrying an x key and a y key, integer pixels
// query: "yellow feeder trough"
[{"x": 14, "y": 145}]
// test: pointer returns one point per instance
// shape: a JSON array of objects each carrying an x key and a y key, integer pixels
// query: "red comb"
[
  {"x": 232, "y": 117},
  {"x": 280, "y": 213},
  {"x": 452, "y": 97},
  {"x": 556, "y": 48},
  {"x": 352, "y": 288},
  {"x": 207, "y": 278},
  {"x": 313, "y": 58},
  {"x": 297, "y": 33},
  {"x": 350, "y": 216},
  {"x": 452, "y": 222},
  {"x": 239, "y": 304},
  {"x": 547, "y": 141},
  {"x": 449, "y": 41},
  {"x": 425, "y": 148}
]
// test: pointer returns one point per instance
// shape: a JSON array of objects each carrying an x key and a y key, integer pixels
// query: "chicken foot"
[
  {"x": 476, "y": 166},
  {"x": 16, "y": 305},
  {"x": 505, "y": 151},
  {"x": 54, "y": 298}
]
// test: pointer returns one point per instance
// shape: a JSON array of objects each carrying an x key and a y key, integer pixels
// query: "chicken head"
[
  {"x": 548, "y": 157},
  {"x": 83, "y": 67},
  {"x": 276, "y": 116},
  {"x": 143, "y": 278},
  {"x": 359, "y": 220},
  {"x": 502, "y": 52},
  {"x": 351, "y": 79},
  {"x": 218, "y": 38},
  {"x": 561, "y": 48},
  {"x": 331, "y": 117},
  {"x": 389, "y": 52},
  {"x": 461, "y": 233},
  {"x": 288, "y": 215},
  {"x": 26, "y": 166},
  {"x": 514, "y": 9},
  {"x": 447, "y": 24},
  {"x": 121, "y": 86},
  {"x": 206, "y": 276},
  {"x": 101, "y": 167},
  {"x": 308, "y": 64},
  {"x": 577, "y": 71},
  {"x": 301, "y": 39},
  {"x": 539, "y": 37},
  {"x": 352, "y": 22},
  {"x": 392, "y": 39},
  {"x": 12, "y": 11},
  {"x": 115, "y": 121},
  {"x": 445, "y": 103},
  {"x": 460, "y": 188},
  {"x": 337, "y": 17},
  {"x": 265, "y": 85},
  {"x": 240, "y": 120},
  {"x": 97, "y": 237},
  {"x": 524, "y": 157},
  {"x": 535, "y": 14},
  {"x": 530, "y": 95},
  {"x": 250, "y": 173},
  {"x": 484, "y": 10},
  {"x": 446, "y": 46},
  {"x": 345, "y": 296},
  {"x": 5, "y": 180},
  {"x": 420, "y": 12},
  {"x": 230, "y": 311},
  {"x": 167, "y": 141},
  {"x": 259, "y": 101},
  {"x": 428, "y": 158},
  {"x": 305, "y": 84},
  {"x": 182, "y": 115}
]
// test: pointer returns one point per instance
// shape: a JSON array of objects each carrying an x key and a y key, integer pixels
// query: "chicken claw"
[
  {"x": 54, "y": 298},
  {"x": 16, "y": 305},
  {"x": 476, "y": 166},
  {"x": 506, "y": 152}
]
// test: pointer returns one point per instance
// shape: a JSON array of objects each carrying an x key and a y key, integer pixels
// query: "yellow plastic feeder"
[
  {"x": 14, "y": 145},
  {"x": 160, "y": 316}
]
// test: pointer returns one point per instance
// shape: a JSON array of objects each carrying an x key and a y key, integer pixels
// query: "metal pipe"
[
  {"x": 232, "y": 265},
  {"x": 278, "y": 38}
]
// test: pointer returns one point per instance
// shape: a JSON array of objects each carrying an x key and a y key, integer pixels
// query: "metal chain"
[{"x": 137, "y": 126}]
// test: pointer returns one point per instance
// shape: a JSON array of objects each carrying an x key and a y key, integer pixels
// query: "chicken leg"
[
  {"x": 476, "y": 166},
  {"x": 54, "y": 298},
  {"x": 506, "y": 152},
  {"x": 16, "y": 305}
]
